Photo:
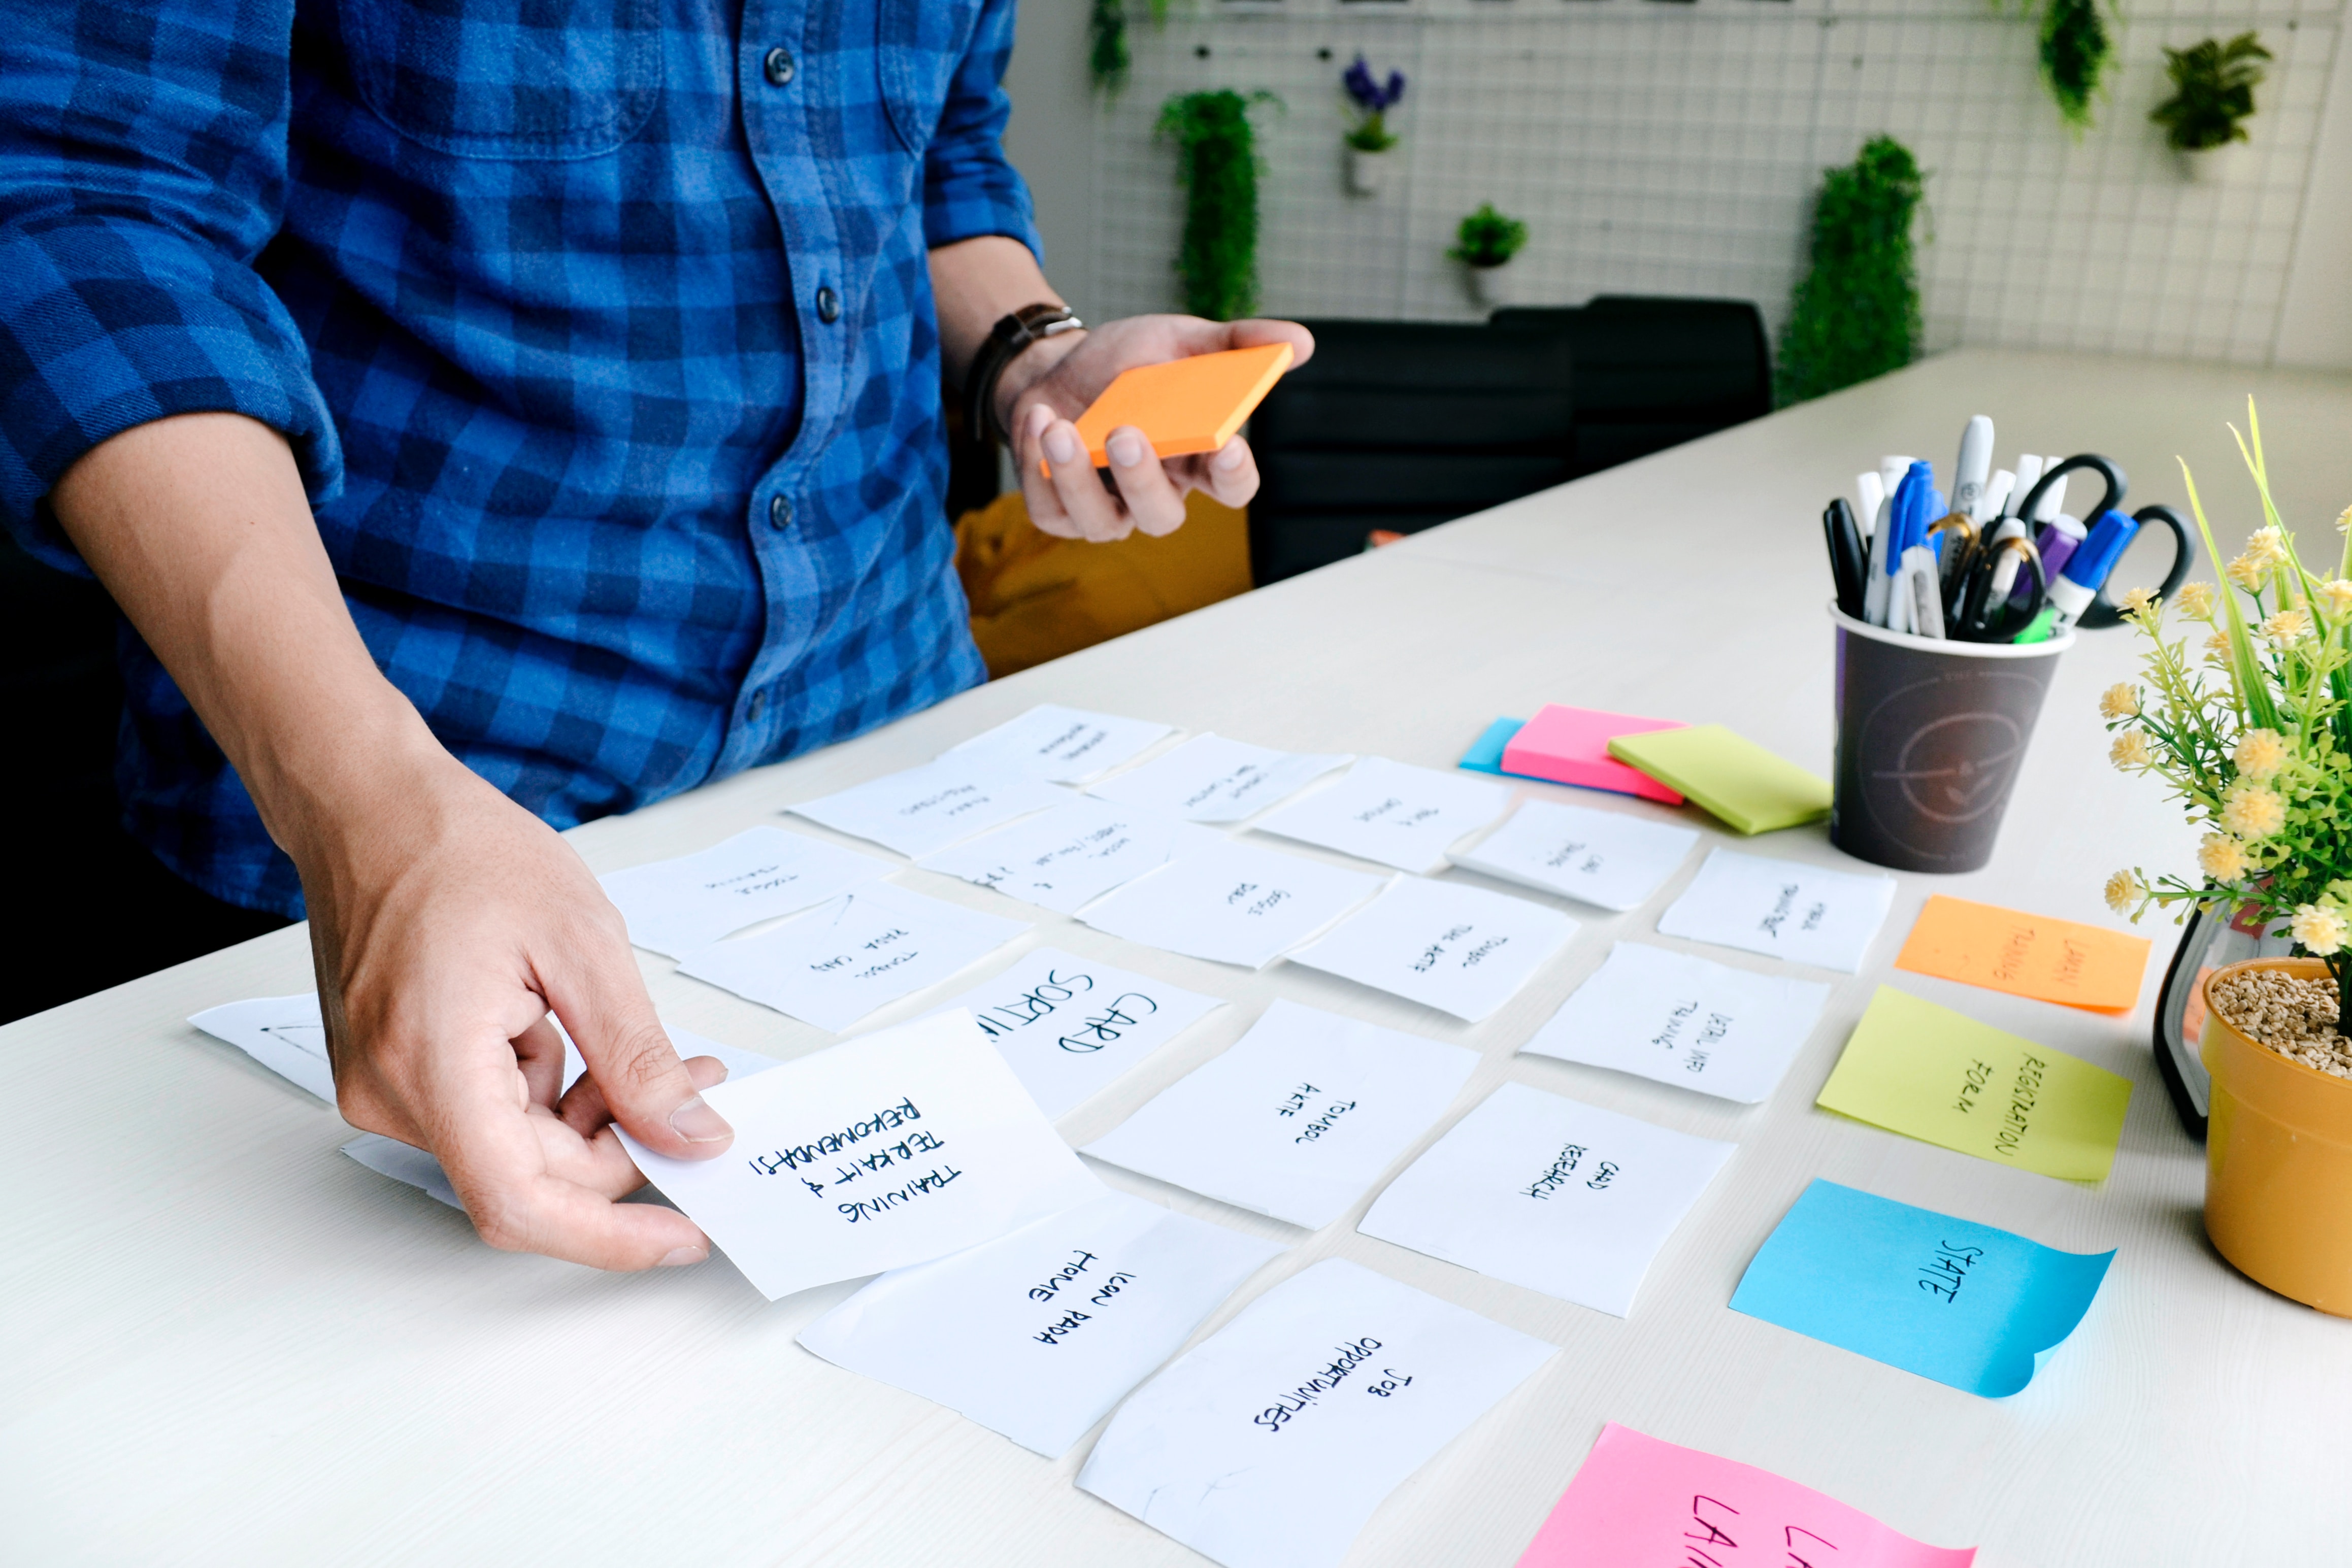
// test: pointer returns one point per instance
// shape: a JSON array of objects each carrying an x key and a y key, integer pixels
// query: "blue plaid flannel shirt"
[{"x": 601, "y": 330}]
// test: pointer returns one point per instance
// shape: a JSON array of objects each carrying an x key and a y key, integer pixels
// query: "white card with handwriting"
[
  {"x": 893, "y": 1149},
  {"x": 1686, "y": 1020},
  {"x": 1065, "y": 745},
  {"x": 679, "y": 907},
  {"x": 1390, "y": 812},
  {"x": 1270, "y": 1444},
  {"x": 1071, "y": 1026},
  {"x": 841, "y": 960},
  {"x": 1231, "y": 903},
  {"x": 1462, "y": 950},
  {"x": 1550, "y": 1193},
  {"x": 1782, "y": 909},
  {"x": 928, "y": 807},
  {"x": 1038, "y": 1333},
  {"x": 1069, "y": 856},
  {"x": 1211, "y": 778},
  {"x": 1606, "y": 858},
  {"x": 1298, "y": 1119},
  {"x": 284, "y": 1034}
]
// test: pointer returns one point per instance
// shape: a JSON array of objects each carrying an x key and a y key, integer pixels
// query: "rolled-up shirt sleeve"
[
  {"x": 969, "y": 188},
  {"x": 142, "y": 168}
]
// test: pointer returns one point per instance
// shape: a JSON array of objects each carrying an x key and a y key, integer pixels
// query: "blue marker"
[{"x": 2086, "y": 571}]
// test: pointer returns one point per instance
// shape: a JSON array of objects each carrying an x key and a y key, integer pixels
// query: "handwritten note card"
[
  {"x": 1637, "y": 1500},
  {"x": 1681, "y": 1019},
  {"x": 1038, "y": 1333},
  {"x": 1063, "y": 744},
  {"x": 1069, "y": 856},
  {"x": 1231, "y": 904},
  {"x": 874, "y": 1154},
  {"x": 1781, "y": 909},
  {"x": 1605, "y": 858},
  {"x": 1462, "y": 950},
  {"x": 1270, "y": 1444},
  {"x": 1960, "y": 1302},
  {"x": 1931, "y": 1073},
  {"x": 284, "y": 1034},
  {"x": 1386, "y": 812},
  {"x": 1550, "y": 1193},
  {"x": 1210, "y": 778},
  {"x": 1298, "y": 1119},
  {"x": 2026, "y": 955},
  {"x": 928, "y": 807},
  {"x": 1071, "y": 1026},
  {"x": 839, "y": 962},
  {"x": 679, "y": 907}
]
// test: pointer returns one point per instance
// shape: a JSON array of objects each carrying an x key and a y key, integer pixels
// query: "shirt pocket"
[
  {"x": 917, "y": 45},
  {"x": 509, "y": 78}
]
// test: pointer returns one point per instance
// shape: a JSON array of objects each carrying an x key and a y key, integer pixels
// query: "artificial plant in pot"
[
  {"x": 2250, "y": 729},
  {"x": 1217, "y": 164},
  {"x": 1483, "y": 244},
  {"x": 1369, "y": 142},
  {"x": 2212, "y": 97}
]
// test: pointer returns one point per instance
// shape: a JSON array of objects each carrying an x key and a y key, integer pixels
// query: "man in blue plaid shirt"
[{"x": 492, "y": 414}]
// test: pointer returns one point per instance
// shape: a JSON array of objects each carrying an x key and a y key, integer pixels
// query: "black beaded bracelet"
[{"x": 1030, "y": 324}]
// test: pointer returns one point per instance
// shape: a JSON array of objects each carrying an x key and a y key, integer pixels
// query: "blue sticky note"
[
  {"x": 1959, "y": 1303},
  {"x": 1486, "y": 753}
]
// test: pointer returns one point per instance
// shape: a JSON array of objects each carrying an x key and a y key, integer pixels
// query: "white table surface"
[{"x": 221, "y": 1342}]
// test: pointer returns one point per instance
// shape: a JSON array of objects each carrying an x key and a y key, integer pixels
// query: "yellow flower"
[
  {"x": 2217, "y": 647},
  {"x": 2266, "y": 545},
  {"x": 2320, "y": 929},
  {"x": 2196, "y": 598},
  {"x": 2246, "y": 572},
  {"x": 2222, "y": 858},
  {"x": 2288, "y": 626},
  {"x": 2260, "y": 755},
  {"x": 2119, "y": 701},
  {"x": 2124, "y": 893},
  {"x": 2254, "y": 811},
  {"x": 2130, "y": 751},
  {"x": 2138, "y": 600},
  {"x": 2335, "y": 596},
  {"x": 2343, "y": 521}
]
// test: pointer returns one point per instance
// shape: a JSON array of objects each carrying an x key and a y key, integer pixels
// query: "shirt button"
[
  {"x": 828, "y": 306},
  {"x": 780, "y": 513},
  {"x": 779, "y": 66},
  {"x": 759, "y": 705}
]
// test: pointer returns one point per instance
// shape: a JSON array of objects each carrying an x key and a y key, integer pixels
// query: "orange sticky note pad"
[
  {"x": 2026, "y": 955},
  {"x": 1187, "y": 405}
]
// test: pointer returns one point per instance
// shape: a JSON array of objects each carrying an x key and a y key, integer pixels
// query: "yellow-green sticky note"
[
  {"x": 1943, "y": 1078},
  {"x": 1738, "y": 780}
]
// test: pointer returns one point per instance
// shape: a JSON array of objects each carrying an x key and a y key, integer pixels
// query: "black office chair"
[{"x": 1654, "y": 372}]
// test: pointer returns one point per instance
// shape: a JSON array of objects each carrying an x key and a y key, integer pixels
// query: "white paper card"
[
  {"x": 1462, "y": 950},
  {"x": 839, "y": 962},
  {"x": 1063, "y": 744},
  {"x": 1210, "y": 778},
  {"x": 678, "y": 906},
  {"x": 1070, "y": 1026},
  {"x": 1685, "y": 1021},
  {"x": 1069, "y": 856},
  {"x": 1781, "y": 908},
  {"x": 1270, "y": 1444},
  {"x": 284, "y": 1034},
  {"x": 1038, "y": 1333},
  {"x": 1605, "y": 858},
  {"x": 1297, "y": 1120},
  {"x": 1387, "y": 811},
  {"x": 1550, "y": 1193},
  {"x": 931, "y": 807},
  {"x": 895, "y": 1149},
  {"x": 1231, "y": 903}
]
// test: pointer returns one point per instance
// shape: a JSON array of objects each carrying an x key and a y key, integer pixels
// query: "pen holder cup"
[{"x": 1930, "y": 735}]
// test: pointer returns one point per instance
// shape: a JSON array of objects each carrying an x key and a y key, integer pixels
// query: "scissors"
[{"x": 1978, "y": 614}]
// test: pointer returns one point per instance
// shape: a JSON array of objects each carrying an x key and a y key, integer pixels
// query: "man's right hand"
[{"x": 446, "y": 923}]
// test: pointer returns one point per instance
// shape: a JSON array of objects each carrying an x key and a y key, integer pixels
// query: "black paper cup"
[{"x": 1930, "y": 737}]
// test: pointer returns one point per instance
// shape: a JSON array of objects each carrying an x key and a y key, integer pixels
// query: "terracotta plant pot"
[{"x": 2278, "y": 1159}]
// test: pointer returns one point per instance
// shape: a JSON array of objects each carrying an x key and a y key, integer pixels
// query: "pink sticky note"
[
  {"x": 1570, "y": 745},
  {"x": 1639, "y": 1501}
]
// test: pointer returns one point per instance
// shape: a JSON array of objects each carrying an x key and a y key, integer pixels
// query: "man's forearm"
[{"x": 979, "y": 282}]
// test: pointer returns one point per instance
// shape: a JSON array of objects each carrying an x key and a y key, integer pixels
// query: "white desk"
[{"x": 221, "y": 1342}]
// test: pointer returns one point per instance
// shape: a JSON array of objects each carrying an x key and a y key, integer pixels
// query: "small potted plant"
[
  {"x": 1369, "y": 140},
  {"x": 2212, "y": 97},
  {"x": 2250, "y": 729},
  {"x": 1485, "y": 245}
]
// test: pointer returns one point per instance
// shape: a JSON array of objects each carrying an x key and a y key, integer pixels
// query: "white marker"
[
  {"x": 1997, "y": 491},
  {"x": 2029, "y": 470},
  {"x": 1974, "y": 462},
  {"x": 2054, "y": 500},
  {"x": 1876, "y": 584},
  {"x": 1870, "y": 494},
  {"x": 1925, "y": 587}
]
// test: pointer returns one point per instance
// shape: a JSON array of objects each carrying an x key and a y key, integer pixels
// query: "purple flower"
[{"x": 1372, "y": 97}]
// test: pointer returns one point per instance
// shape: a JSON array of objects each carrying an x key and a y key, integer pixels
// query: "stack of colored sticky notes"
[
  {"x": 1184, "y": 406},
  {"x": 1749, "y": 787},
  {"x": 1570, "y": 745}
]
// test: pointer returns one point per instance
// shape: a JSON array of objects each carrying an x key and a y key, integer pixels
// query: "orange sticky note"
[
  {"x": 2026, "y": 955},
  {"x": 1186, "y": 405}
]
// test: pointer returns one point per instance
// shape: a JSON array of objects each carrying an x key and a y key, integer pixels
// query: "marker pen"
[
  {"x": 1922, "y": 587},
  {"x": 1869, "y": 494},
  {"x": 2060, "y": 541},
  {"x": 1997, "y": 492},
  {"x": 2086, "y": 571},
  {"x": 1974, "y": 464},
  {"x": 2054, "y": 500},
  {"x": 2029, "y": 469}
]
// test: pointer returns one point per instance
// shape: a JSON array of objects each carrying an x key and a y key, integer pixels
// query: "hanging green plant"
[
  {"x": 1856, "y": 313},
  {"x": 1107, "y": 54},
  {"x": 1217, "y": 162},
  {"x": 2076, "y": 52},
  {"x": 2212, "y": 93}
]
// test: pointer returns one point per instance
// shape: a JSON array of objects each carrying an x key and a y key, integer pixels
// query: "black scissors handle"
[
  {"x": 2103, "y": 611},
  {"x": 1981, "y": 622},
  {"x": 2105, "y": 470}
]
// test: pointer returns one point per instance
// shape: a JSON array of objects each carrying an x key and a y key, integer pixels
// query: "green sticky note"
[
  {"x": 1737, "y": 779},
  {"x": 1943, "y": 1078}
]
